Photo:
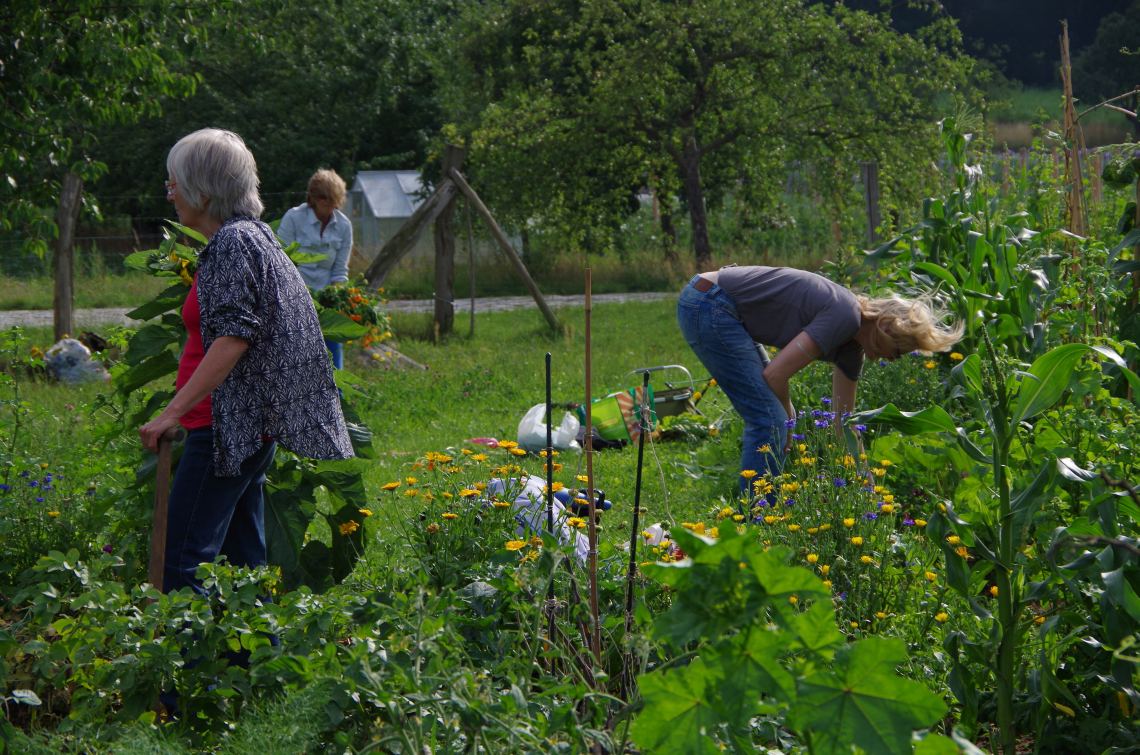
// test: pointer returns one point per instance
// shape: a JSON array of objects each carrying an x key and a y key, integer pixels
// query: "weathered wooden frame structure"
[{"x": 438, "y": 209}]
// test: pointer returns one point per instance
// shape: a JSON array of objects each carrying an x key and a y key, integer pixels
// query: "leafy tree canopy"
[
  {"x": 570, "y": 106},
  {"x": 1111, "y": 64}
]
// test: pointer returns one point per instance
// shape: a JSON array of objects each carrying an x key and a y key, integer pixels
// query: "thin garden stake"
[
  {"x": 643, "y": 424},
  {"x": 592, "y": 561},
  {"x": 470, "y": 263},
  {"x": 550, "y": 604}
]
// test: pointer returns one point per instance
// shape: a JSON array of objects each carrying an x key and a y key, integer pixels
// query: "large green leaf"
[
  {"x": 170, "y": 298},
  {"x": 862, "y": 701},
  {"x": 150, "y": 340},
  {"x": 677, "y": 711},
  {"x": 1051, "y": 374},
  {"x": 1118, "y": 361},
  {"x": 337, "y": 327},
  {"x": 159, "y": 365},
  {"x": 932, "y": 419}
]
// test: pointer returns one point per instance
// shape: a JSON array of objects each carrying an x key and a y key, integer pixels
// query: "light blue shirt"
[{"x": 301, "y": 224}]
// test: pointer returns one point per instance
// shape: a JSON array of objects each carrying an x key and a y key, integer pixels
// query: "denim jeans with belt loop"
[{"x": 713, "y": 329}]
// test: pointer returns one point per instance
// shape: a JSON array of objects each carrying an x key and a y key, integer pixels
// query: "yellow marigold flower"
[
  {"x": 697, "y": 527},
  {"x": 449, "y": 515},
  {"x": 849, "y": 522},
  {"x": 880, "y": 615},
  {"x": 812, "y": 530},
  {"x": 529, "y": 556},
  {"x": 518, "y": 452},
  {"x": 930, "y": 365},
  {"x": 866, "y": 560},
  {"x": 714, "y": 532},
  {"x": 853, "y": 624},
  {"x": 502, "y": 504},
  {"x": 468, "y": 493},
  {"x": 428, "y": 495},
  {"x": 994, "y": 591},
  {"x": 789, "y": 487},
  {"x": 555, "y": 487},
  {"x": 466, "y": 451},
  {"x": 582, "y": 478},
  {"x": 478, "y": 457},
  {"x": 445, "y": 494},
  {"x": 725, "y": 512},
  {"x": 1039, "y": 620},
  {"x": 576, "y": 521},
  {"x": 878, "y": 490},
  {"x": 764, "y": 449},
  {"x": 748, "y": 474},
  {"x": 411, "y": 480},
  {"x": 365, "y": 512},
  {"x": 349, "y": 527},
  {"x": 771, "y": 519},
  {"x": 53, "y": 514},
  {"x": 919, "y": 522},
  {"x": 807, "y": 461},
  {"x": 801, "y": 447},
  {"x": 762, "y": 486},
  {"x": 515, "y": 545},
  {"x": 390, "y": 486},
  {"x": 827, "y": 583},
  {"x": 536, "y": 541},
  {"x": 825, "y": 569},
  {"x": 888, "y": 498},
  {"x": 793, "y": 599},
  {"x": 942, "y": 617},
  {"x": 953, "y": 539},
  {"x": 712, "y": 381},
  {"x": 508, "y": 444},
  {"x": 878, "y": 471},
  {"x": 793, "y": 528},
  {"x": 856, "y": 541},
  {"x": 452, "y": 469},
  {"x": 824, "y": 527},
  {"x": 696, "y": 396},
  {"x": 412, "y": 493},
  {"x": 480, "y": 486},
  {"x": 812, "y": 558},
  {"x": 554, "y": 465},
  {"x": 887, "y": 508},
  {"x": 885, "y": 462},
  {"x": 848, "y": 460},
  {"x": 942, "y": 507},
  {"x": 647, "y": 534},
  {"x": 930, "y": 576},
  {"x": 738, "y": 517},
  {"x": 665, "y": 544},
  {"x": 961, "y": 551}
]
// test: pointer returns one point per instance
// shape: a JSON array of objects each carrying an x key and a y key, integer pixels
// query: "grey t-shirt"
[{"x": 777, "y": 303}]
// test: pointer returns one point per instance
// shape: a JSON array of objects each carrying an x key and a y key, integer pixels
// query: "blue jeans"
[
  {"x": 716, "y": 334},
  {"x": 211, "y": 516},
  {"x": 336, "y": 349}
]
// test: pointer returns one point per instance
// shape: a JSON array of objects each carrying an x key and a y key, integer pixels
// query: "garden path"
[{"x": 88, "y": 318}]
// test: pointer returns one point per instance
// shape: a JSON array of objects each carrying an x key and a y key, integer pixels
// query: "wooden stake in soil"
[
  {"x": 550, "y": 604},
  {"x": 592, "y": 561}
]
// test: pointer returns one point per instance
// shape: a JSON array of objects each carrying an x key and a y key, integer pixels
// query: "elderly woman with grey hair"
[{"x": 254, "y": 371}]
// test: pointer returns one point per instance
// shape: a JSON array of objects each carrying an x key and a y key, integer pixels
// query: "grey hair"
[{"x": 216, "y": 172}]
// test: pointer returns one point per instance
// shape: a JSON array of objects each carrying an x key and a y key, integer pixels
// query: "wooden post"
[
  {"x": 402, "y": 242},
  {"x": 445, "y": 252},
  {"x": 592, "y": 557},
  {"x": 470, "y": 263},
  {"x": 64, "y": 263},
  {"x": 1074, "y": 204},
  {"x": 870, "y": 171},
  {"x": 1096, "y": 184},
  {"x": 505, "y": 245}
]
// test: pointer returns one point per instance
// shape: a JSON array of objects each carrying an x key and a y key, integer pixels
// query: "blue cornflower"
[
  {"x": 882, "y": 362},
  {"x": 797, "y": 436},
  {"x": 840, "y": 482},
  {"x": 871, "y": 516},
  {"x": 789, "y": 501},
  {"x": 821, "y": 423},
  {"x": 39, "y": 499},
  {"x": 4, "y": 488},
  {"x": 861, "y": 428},
  {"x": 790, "y": 423},
  {"x": 841, "y": 596},
  {"x": 47, "y": 477},
  {"x": 34, "y": 484},
  {"x": 24, "y": 473},
  {"x": 825, "y": 401},
  {"x": 908, "y": 522}
]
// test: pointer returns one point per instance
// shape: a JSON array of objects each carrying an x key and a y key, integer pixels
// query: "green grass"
[{"x": 91, "y": 290}]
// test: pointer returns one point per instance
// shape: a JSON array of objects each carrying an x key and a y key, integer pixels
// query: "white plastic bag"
[
  {"x": 69, "y": 361},
  {"x": 532, "y": 430}
]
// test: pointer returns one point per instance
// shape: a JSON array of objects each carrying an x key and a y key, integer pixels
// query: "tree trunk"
[
  {"x": 69, "y": 202},
  {"x": 691, "y": 176}
]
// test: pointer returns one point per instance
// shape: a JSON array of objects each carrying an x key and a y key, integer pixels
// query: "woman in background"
[{"x": 320, "y": 227}]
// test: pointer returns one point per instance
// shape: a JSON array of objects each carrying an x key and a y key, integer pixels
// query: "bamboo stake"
[
  {"x": 1073, "y": 136},
  {"x": 592, "y": 560},
  {"x": 631, "y": 573},
  {"x": 551, "y": 608}
]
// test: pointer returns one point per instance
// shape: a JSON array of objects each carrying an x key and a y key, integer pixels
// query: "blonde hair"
[
  {"x": 215, "y": 171},
  {"x": 327, "y": 183},
  {"x": 911, "y": 324}
]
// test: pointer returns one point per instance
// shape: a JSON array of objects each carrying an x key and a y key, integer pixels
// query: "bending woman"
[
  {"x": 321, "y": 228},
  {"x": 727, "y": 316},
  {"x": 254, "y": 370}
]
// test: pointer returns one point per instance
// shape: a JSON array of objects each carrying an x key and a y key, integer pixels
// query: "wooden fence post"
[
  {"x": 64, "y": 263},
  {"x": 445, "y": 252}
]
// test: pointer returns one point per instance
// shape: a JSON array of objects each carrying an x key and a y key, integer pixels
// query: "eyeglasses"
[{"x": 170, "y": 187}]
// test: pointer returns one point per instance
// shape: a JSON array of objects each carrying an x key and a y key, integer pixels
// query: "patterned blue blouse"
[{"x": 282, "y": 387}]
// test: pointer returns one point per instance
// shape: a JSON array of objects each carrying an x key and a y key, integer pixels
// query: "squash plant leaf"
[
  {"x": 677, "y": 711},
  {"x": 860, "y": 700}
]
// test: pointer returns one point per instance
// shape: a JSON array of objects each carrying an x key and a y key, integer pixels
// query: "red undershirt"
[{"x": 200, "y": 416}]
